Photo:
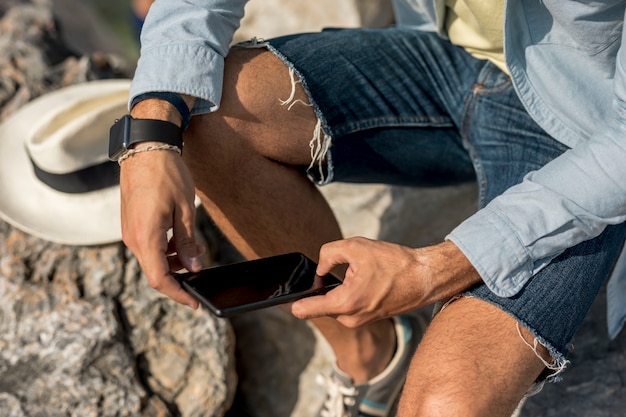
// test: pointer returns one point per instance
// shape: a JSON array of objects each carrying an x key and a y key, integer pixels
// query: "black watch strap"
[
  {"x": 142, "y": 130},
  {"x": 127, "y": 131}
]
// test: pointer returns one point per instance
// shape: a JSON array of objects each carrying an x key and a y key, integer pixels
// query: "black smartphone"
[{"x": 240, "y": 287}]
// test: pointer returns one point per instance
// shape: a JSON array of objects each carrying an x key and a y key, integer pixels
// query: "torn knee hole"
[{"x": 320, "y": 142}]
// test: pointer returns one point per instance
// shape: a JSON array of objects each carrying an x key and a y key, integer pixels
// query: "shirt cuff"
[
  {"x": 492, "y": 247},
  {"x": 201, "y": 78}
]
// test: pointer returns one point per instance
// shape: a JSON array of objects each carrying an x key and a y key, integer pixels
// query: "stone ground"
[{"x": 595, "y": 383}]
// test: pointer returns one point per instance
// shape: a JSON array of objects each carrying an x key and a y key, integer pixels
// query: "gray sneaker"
[{"x": 377, "y": 397}]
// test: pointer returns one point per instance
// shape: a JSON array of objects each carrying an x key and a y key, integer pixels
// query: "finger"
[
  {"x": 170, "y": 287},
  {"x": 188, "y": 250},
  {"x": 157, "y": 270},
  {"x": 332, "y": 255},
  {"x": 174, "y": 262},
  {"x": 288, "y": 308},
  {"x": 175, "y": 265}
]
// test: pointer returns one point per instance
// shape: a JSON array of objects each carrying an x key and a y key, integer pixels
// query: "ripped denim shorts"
[{"x": 404, "y": 107}]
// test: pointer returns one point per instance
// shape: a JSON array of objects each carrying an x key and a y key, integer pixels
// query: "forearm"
[{"x": 158, "y": 109}]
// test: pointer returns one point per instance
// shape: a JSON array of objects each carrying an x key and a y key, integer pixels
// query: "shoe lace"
[{"x": 338, "y": 397}]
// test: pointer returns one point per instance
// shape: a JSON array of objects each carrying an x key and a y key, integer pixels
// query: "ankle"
[{"x": 372, "y": 349}]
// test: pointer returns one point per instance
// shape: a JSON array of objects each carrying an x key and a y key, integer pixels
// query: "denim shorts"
[{"x": 404, "y": 107}]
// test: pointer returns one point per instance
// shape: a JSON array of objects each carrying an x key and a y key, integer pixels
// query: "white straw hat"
[{"x": 56, "y": 181}]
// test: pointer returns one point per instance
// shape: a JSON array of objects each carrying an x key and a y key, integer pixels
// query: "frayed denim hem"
[
  {"x": 321, "y": 141},
  {"x": 556, "y": 367}
]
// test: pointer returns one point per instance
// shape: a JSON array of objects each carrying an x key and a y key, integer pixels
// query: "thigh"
[
  {"x": 250, "y": 119},
  {"x": 388, "y": 99},
  {"x": 470, "y": 362}
]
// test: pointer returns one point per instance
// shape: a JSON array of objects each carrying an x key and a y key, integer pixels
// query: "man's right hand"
[
  {"x": 157, "y": 194},
  {"x": 386, "y": 279}
]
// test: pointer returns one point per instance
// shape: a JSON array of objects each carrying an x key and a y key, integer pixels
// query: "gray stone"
[
  {"x": 81, "y": 332},
  {"x": 60, "y": 353},
  {"x": 269, "y": 18}
]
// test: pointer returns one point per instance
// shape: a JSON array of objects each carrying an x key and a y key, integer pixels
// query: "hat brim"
[{"x": 90, "y": 218}]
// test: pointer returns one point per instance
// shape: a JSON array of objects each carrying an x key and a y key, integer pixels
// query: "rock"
[
  {"x": 62, "y": 354},
  {"x": 269, "y": 18},
  {"x": 81, "y": 332},
  {"x": 278, "y": 358},
  {"x": 413, "y": 216},
  {"x": 35, "y": 60},
  {"x": 94, "y": 35}
]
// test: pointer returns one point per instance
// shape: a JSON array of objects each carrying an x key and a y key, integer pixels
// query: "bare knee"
[
  {"x": 256, "y": 87},
  {"x": 445, "y": 400},
  {"x": 471, "y": 361},
  {"x": 439, "y": 404},
  {"x": 449, "y": 392},
  {"x": 253, "y": 125}
]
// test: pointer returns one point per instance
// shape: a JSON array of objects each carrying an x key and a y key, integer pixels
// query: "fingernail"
[{"x": 195, "y": 263}]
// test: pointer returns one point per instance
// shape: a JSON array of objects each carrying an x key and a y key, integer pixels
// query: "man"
[{"x": 433, "y": 101}]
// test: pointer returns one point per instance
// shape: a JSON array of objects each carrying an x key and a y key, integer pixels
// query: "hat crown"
[
  {"x": 54, "y": 169},
  {"x": 74, "y": 133}
]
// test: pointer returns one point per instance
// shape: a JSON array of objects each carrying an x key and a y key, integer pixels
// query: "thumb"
[
  {"x": 316, "y": 306},
  {"x": 188, "y": 250},
  {"x": 307, "y": 308}
]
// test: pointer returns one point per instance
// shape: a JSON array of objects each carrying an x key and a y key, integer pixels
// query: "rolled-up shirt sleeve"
[{"x": 183, "y": 46}]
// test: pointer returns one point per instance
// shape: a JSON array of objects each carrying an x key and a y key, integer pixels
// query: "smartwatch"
[{"x": 127, "y": 131}]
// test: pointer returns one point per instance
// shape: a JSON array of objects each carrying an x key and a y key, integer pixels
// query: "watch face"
[{"x": 119, "y": 137}]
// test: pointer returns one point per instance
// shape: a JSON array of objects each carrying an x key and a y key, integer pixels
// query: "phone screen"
[{"x": 245, "y": 286}]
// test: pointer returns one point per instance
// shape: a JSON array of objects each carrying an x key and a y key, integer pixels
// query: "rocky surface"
[
  {"x": 81, "y": 333},
  {"x": 268, "y": 18}
]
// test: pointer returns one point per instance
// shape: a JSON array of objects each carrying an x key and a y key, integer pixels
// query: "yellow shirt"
[{"x": 477, "y": 26}]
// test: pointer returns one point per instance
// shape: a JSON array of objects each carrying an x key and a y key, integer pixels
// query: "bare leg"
[
  {"x": 471, "y": 362},
  {"x": 247, "y": 161}
]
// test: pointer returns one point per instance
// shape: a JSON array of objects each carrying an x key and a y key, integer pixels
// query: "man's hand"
[
  {"x": 385, "y": 279},
  {"x": 157, "y": 194}
]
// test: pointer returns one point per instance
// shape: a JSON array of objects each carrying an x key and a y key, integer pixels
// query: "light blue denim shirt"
[{"x": 565, "y": 61}]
